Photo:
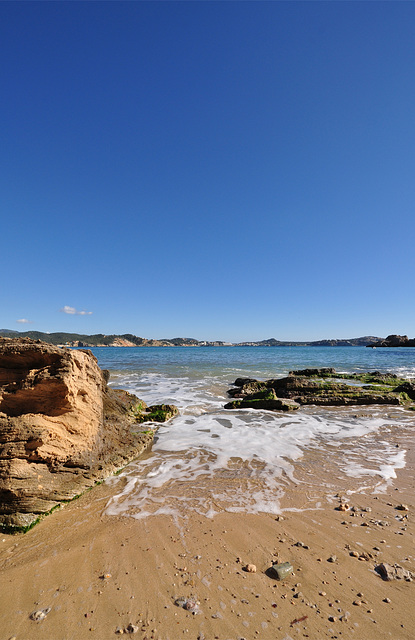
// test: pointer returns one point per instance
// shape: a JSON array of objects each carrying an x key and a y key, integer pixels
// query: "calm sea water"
[{"x": 209, "y": 459}]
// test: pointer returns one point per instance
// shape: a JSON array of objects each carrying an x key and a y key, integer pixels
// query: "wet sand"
[{"x": 97, "y": 574}]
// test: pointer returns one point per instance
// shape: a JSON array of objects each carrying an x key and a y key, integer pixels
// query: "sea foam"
[{"x": 210, "y": 460}]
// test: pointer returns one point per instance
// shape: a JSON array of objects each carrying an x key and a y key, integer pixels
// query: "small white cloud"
[
  {"x": 72, "y": 311},
  {"x": 24, "y": 321}
]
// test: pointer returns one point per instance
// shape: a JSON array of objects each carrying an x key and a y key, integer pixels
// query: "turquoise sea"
[{"x": 209, "y": 459}]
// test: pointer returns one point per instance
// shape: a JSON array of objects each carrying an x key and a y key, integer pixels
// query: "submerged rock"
[{"x": 62, "y": 429}]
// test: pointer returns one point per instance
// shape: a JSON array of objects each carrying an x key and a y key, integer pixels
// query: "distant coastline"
[{"x": 130, "y": 340}]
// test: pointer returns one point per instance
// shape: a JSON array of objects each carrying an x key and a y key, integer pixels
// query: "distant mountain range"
[{"x": 130, "y": 340}]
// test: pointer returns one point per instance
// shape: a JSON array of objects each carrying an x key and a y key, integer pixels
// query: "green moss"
[
  {"x": 137, "y": 410},
  {"x": 157, "y": 413}
]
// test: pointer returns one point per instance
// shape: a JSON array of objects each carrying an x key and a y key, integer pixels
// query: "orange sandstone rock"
[{"x": 61, "y": 428}]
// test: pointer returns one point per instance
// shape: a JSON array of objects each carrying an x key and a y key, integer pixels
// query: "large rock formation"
[
  {"x": 394, "y": 340},
  {"x": 61, "y": 428},
  {"x": 321, "y": 387}
]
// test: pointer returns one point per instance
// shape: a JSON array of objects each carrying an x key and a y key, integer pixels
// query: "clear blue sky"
[{"x": 217, "y": 170}]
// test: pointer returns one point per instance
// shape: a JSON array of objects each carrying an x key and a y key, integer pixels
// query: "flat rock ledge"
[
  {"x": 322, "y": 387},
  {"x": 62, "y": 429}
]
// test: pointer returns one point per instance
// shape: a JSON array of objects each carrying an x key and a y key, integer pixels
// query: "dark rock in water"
[
  {"x": 277, "y": 404},
  {"x": 394, "y": 340},
  {"x": 325, "y": 371},
  {"x": 251, "y": 386},
  {"x": 323, "y": 387},
  {"x": 62, "y": 429},
  {"x": 263, "y": 399},
  {"x": 239, "y": 382},
  {"x": 408, "y": 388}
]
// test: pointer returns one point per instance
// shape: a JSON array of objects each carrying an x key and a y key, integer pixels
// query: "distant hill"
[{"x": 130, "y": 340}]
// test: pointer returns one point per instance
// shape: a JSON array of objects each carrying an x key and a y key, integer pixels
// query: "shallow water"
[{"x": 209, "y": 459}]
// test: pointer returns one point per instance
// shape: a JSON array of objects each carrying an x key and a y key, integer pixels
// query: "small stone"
[
  {"x": 281, "y": 570},
  {"x": 180, "y": 602},
  {"x": 250, "y": 568},
  {"x": 119, "y": 631},
  {"x": 343, "y": 507},
  {"x": 388, "y": 600},
  {"x": 132, "y": 628},
  {"x": 301, "y": 544},
  {"x": 365, "y": 556},
  {"x": 332, "y": 619},
  {"x": 357, "y": 603},
  {"x": 393, "y": 572},
  {"x": 354, "y": 554},
  {"x": 322, "y": 593},
  {"x": 402, "y": 507},
  {"x": 39, "y": 615},
  {"x": 332, "y": 558}
]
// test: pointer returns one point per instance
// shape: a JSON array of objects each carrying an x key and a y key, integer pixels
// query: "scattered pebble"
[
  {"x": 332, "y": 558},
  {"x": 281, "y": 570},
  {"x": 343, "y": 507},
  {"x": 189, "y": 604},
  {"x": 388, "y": 600},
  {"x": 402, "y": 507},
  {"x": 250, "y": 568},
  {"x": 39, "y": 615},
  {"x": 301, "y": 544},
  {"x": 131, "y": 628}
]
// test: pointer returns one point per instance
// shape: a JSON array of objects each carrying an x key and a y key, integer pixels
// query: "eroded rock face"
[{"x": 61, "y": 428}]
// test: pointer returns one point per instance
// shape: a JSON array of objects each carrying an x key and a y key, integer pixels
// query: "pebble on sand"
[
  {"x": 40, "y": 614},
  {"x": 343, "y": 507},
  {"x": 281, "y": 570},
  {"x": 250, "y": 568},
  {"x": 402, "y": 507}
]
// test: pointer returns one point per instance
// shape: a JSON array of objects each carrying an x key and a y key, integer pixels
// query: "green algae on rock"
[{"x": 322, "y": 387}]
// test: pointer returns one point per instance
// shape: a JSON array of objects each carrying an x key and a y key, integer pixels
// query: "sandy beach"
[{"x": 94, "y": 575}]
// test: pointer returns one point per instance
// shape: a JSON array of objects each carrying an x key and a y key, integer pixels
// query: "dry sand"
[{"x": 98, "y": 573}]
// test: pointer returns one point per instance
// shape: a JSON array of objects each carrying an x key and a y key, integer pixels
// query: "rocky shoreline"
[
  {"x": 322, "y": 387},
  {"x": 62, "y": 429},
  {"x": 394, "y": 341}
]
